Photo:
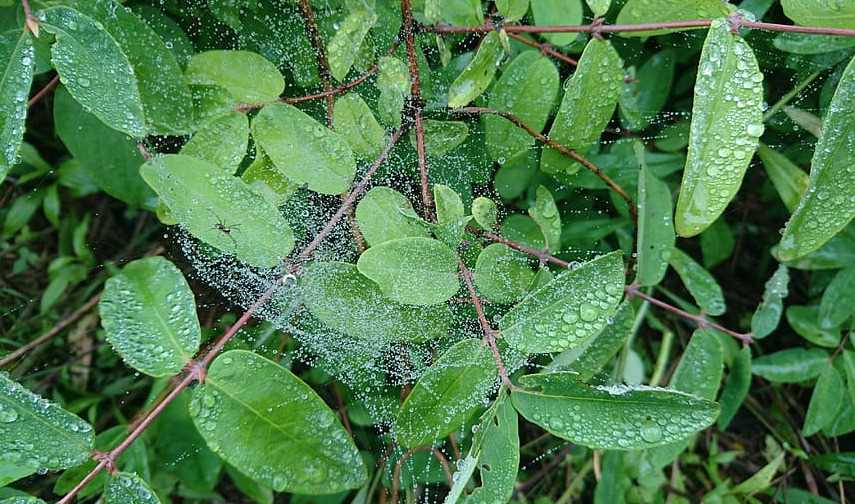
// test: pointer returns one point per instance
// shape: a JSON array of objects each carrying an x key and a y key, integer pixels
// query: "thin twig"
[
  {"x": 56, "y": 329},
  {"x": 545, "y": 48},
  {"x": 44, "y": 91},
  {"x": 31, "y": 22},
  {"x": 321, "y": 53},
  {"x": 396, "y": 473},
  {"x": 563, "y": 150},
  {"x": 542, "y": 255}
]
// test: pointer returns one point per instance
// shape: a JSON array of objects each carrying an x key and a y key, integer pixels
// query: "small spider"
[{"x": 225, "y": 229}]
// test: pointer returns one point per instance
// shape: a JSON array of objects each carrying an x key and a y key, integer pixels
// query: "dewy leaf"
[
  {"x": 344, "y": 46},
  {"x": 248, "y": 76},
  {"x": 354, "y": 121},
  {"x": 727, "y": 120},
  {"x": 512, "y": 10},
  {"x": 768, "y": 315},
  {"x": 699, "y": 282},
  {"x": 652, "y": 11},
  {"x": 590, "y": 97},
  {"x": 574, "y": 306},
  {"x": 557, "y": 12},
  {"x": 545, "y": 214},
  {"x": 83, "y": 49},
  {"x": 736, "y": 387},
  {"x": 338, "y": 295},
  {"x": 789, "y": 180},
  {"x": 478, "y": 74},
  {"x": 304, "y": 150},
  {"x": 417, "y": 271},
  {"x": 838, "y": 299},
  {"x": 615, "y": 417},
  {"x": 265, "y": 179},
  {"x": 37, "y": 432},
  {"x": 149, "y": 315},
  {"x": 499, "y": 456},
  {"x": 385, "y": 214},
  {"x": 599, "y": 7},
  {"x": 792, "y": 365},
  {"x": 441, "y": 137},
  {"x": 220, "y": 209},
  {"x": 655, "y": 224},
  {"x": 446, "y": 394},
  {"x": 827, "y": 207},
  {"x": 270, "y": 425},
  {"x": 129, "y": 488},
  {"x": 166, "y": 98},
  {"x": 502, "y": 274},
  {"x": 20, "y": 499},
  {"x": 222, "y": 142},
  {"x": 393, "y": 82},
  {"x": 527, "y": 88},
  {"x": 831, "y": 13},
  {"x": 450, "y": 215},
  {"x": 485, "y": 212},
  {"x": 18, "y": 60},
  {"x": 825, "y": 401}
]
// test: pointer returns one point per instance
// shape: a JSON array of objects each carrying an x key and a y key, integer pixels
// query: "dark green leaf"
[
  {"x": 655, "y": 225},
  {"x": 717, "y": 243},
  {"x": 824, "y": 402},
  {"x": 736, "y": 387},
  {"x": 838, "y": 300},
  {"x": 499, "y": 455},
  {"x": 768, "y": 314},
  {"x": 18, "y": 57},
  {"x": 644, "y": 96},
  {"x": 805, "y": 321},
  {"x": 789, "y": 180},
  {"x": 129, "y": 488},
  {"x": 545, "y": 214}
]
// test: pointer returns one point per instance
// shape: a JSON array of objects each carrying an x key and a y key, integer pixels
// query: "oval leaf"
[
  {"x": 354, "y": 121},
  {"x": 824, "y": 402},
  {"x": 247, "y": 76},
  {"x": 655, "y": 225},
  {"x": 149, "y": 314},
  {"x": 834, "y": 13},
  {"x": 789, "y": 180},
  {"x": 346, "y": 43},
  {"x": 557, "y": 12},
  {"x": 574, "y": 306},
  {"x": 274, "y": 428},
  {"x": 768, "y": 315},
  {"x": 17, "y": 77},
  {"x": 502, "y": 274},
  {"x": 699, "y": 282},
  {"x": 385, "y": 214},
  {"x": 791, "y": 366},
  {"x": 727, "y": 120},
  {"x": 222, "y": 142},
  {"x": 478, "y": 74},
  {"x": 545, "y": 214},
  {"x": 129, "y": 488},
  {"x": 838, "y": 300},
  {"x": 651, "y": 11}
]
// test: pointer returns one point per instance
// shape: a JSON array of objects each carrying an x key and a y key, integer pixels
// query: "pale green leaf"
[
  {"x": 263, "y": 177},
  {"x": 149, "y": 315},
  {"x": 37, "y": 432},
  {"x": 385, "y": 214},
  {"x": 599, "y": 7},
  {"x": 574, "y": 306},
  {"x": 768, "y": 314},
  {"x": 354, "y": 121},
  {"x": 343, "y": 48},
  {"x": 441, "y": 137},
  {"x": 831, "y": 13},
  {"x": 827, "y": 205},
  {"x": 417, "y": 271},
  {"x": 393, "y": 82},
  {"x": 83, "y": 49},
  {"x": 446, "y": 394},
  {"x": 652, "y": 11},
  {"x": 838, "y": 299},
  {"x": 544, "y": 212},
  {"x": 824, "y": 402},
  {"x": 220, "y": 209},
  {"x": 304, "y": 150},
  {"x": 128, "y": 488},
  {"x": 484, "y": 212},
  {"x": 655, "y": 225},
  {"x": 808, "y": 43},
  {"x": 18, "y": 60},
  {"x": 262, "y": 419},
  {"x": 762, "y": 479},
  {"x": 557, "y": 12},
  {"x": 478, "y": 74},
  {"x": 248, "y": 76},
  {"x": 616, "y": 417},
  {"x": 512, "y": 10},
  {"x": 727, "y": 120},
  {"x": 343, "y": 299},
  {"x": 789, "y": 180},
  {"x": 502, "y": 274},
  {"x": 792, "y": 365},
  {"x": 805, "y": 321},
  {"x": 499, "y": 455},
  {"x": 22, "y": 500},
  {"x": 450, "y": 215},
  {"x": 699, "y": 282},
  {"x": 222, "y": 142},
  {"x": 590, "y": 97}
]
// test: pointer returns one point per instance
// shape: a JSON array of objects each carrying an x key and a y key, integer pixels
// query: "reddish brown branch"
[
  {"x": 542, "y": 255},
  {"x": 321, "y": 53},
  {"x": 31, "y": 22},
  {"x": 43, "y": 91},
  {"x": 489, "y": 334},
  {"x": 545, "y": 48},
  {"x": 396, "y": 473},
  {"x": 563, "y": 150}
]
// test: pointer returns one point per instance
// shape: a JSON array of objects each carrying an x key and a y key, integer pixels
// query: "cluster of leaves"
[{"x": 503, "y": 288}]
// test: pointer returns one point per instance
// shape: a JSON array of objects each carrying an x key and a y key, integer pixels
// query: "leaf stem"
[
  {"x": 44, "y": 91},
  {"x": 545, "y": 48}
]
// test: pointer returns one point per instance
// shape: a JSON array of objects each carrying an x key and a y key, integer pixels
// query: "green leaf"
[
  {"x": 717, "y": 243},
  {"x": 599, "y": 7},
  {"x": 545, "y": 214},
  {"x": 220, "y": 209},
  {"x": 478, "y": 74},
  {"x": 820, "y": 13},
  {"x": 849, "y": 367},
  {"x": 616, "y": 417},
  {"x": 257, "y": 492},
  {"x": 498, "y": 456},
  {"x": 842, "y": 463},
  {"x": 110, "y": 158},
  {"x": 789, "y": 180},
  {"x": 149, "y": 315},
  {"x": 614, "y": 482},
  {"x": 19, "y": 59},
  {"x": 838, "y": 300},
  {"x": 805, "y": 321},
  {"x": 303, "y": 149},
  {"x": 129, "y": 488},
  {"x": 393, "y": 82},
  {"x": 644, "y": 97},
  {"x": 450, "y": 215},
  {"x": 502, "y": 274},
  {"x": 792, "y": 365},
  {"x": 727, "y": 120},
  {"x": 354, "y": 121},
  {"x": 344, "y": 46},
  {"x": 265, "y": 179},
  {"x": 37, "y": 432},
  {"x": 441, "y": 137},
  {"x": 527, "y": 88},
  {"x": 590, "y": 97},
  {"x": 736, "y": 387},
  {"x": 453, "y": 12},
  {"x": 446, "y": 394},
  {"x": 653, "y": 11},
  {"x": 346, "y": 301},
  {"x": 416, "y": 271},
  {"x": 827, "y": 205},
  {"x": 166, "y": 99},
  {"x": 222, "y": 142},
  {"x": 574, "y": 306},
  {"x": 485, "y": 212},
  {"x": 762, "y": 479},
  {"x": 247, "y": 76},
  {"x": 557, "y": 12},
  {"x": 806, "y": 43},
  {"x": 385, "y": 214},
  {"x": 274, "y": 428},
  {"x": 83, "y": 49},
  {"x": 824, "y": 402},
  {"x": 22, "y": 500},
  {"x": 698, "y": 281},
  {"x": 512, "y": 10},
  {"x": 655, "y": 225},
  {"x": 11, "y": 472},
  {"x": 768, "y": 313}
]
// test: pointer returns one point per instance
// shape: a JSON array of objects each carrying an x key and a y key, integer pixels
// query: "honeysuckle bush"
[{"x": 371, "y": 251}]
